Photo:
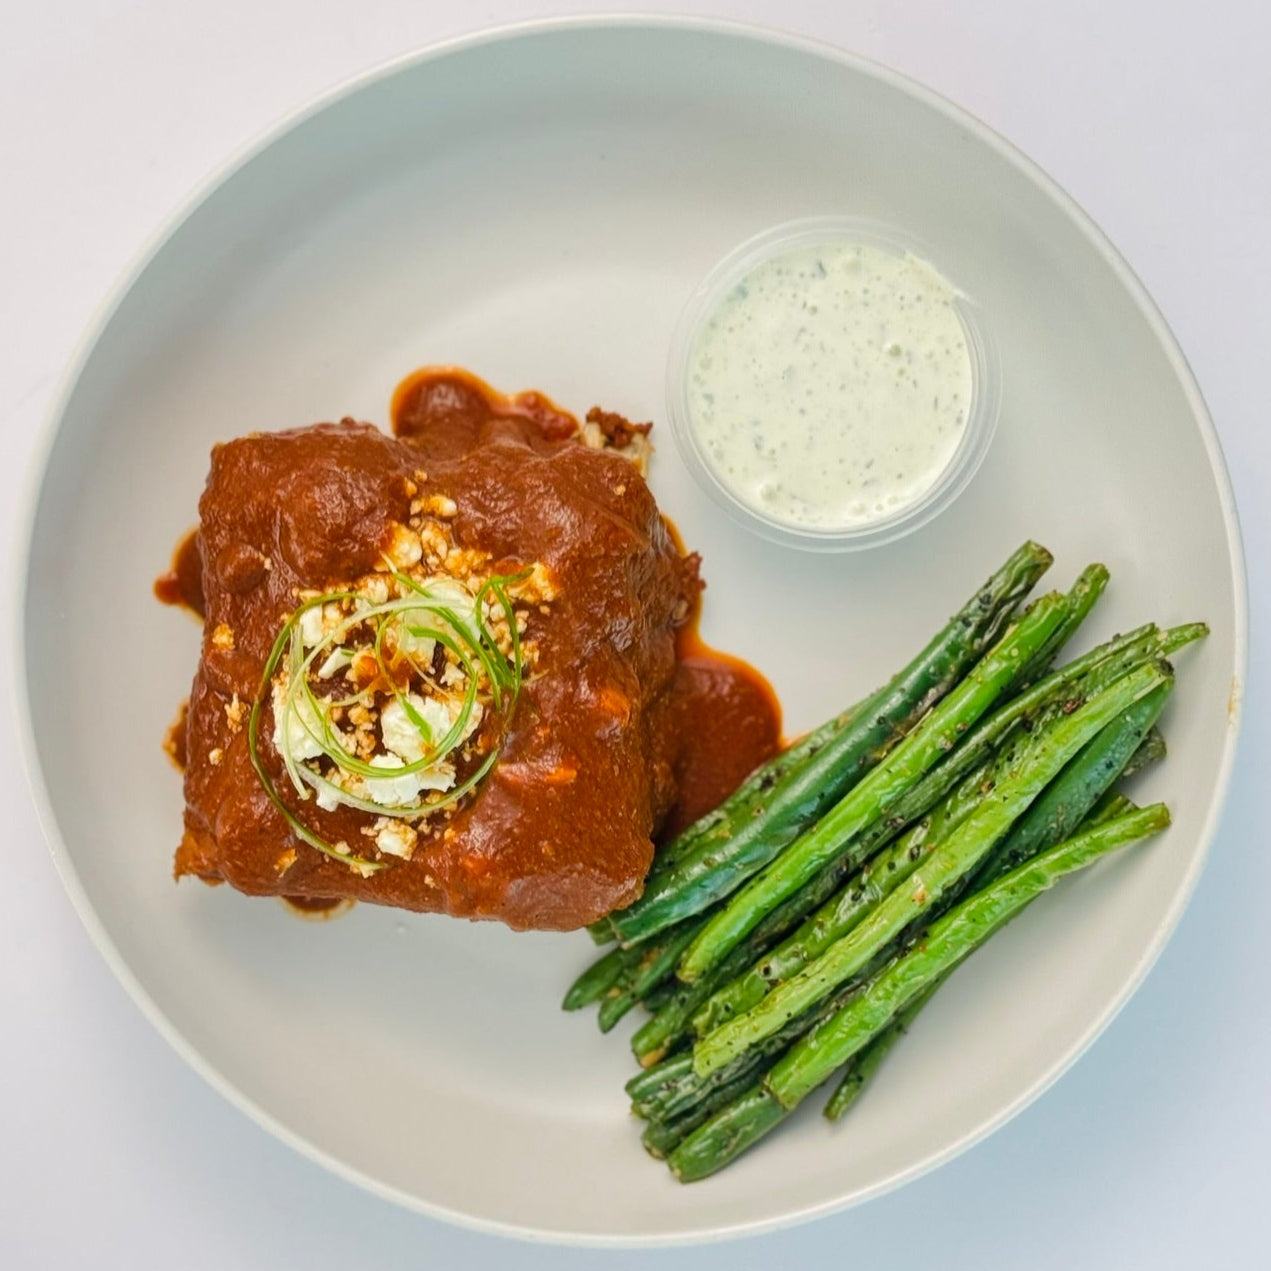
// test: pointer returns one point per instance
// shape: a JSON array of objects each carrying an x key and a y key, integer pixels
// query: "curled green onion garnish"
[{"x": 323, "y": 763}]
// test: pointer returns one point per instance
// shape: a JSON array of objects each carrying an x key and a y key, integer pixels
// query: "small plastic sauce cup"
[{"x": 978, "y": 428}]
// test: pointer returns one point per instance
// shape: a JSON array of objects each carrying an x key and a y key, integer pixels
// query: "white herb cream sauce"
[{"x": 830, "y": 387}]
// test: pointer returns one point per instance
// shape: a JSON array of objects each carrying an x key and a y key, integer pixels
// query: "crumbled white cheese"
[
  {"x": 311, "y": 627},
  {"x": 538, "y": 585},
  {"x": 440, "y": 505},
  {"x": 328, "y": 799},
  {"x": 435, "y": 542},
  {"x": 403, "y": 790},
  {"x": 300, "y": 741},
  {"x": 395, "y": 838},
  {"x": 399, "y": 732},
  {"x": 404, "y": 547}
]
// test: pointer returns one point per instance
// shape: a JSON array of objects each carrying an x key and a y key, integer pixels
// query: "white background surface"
[{"x": 1155, "y": 1150}]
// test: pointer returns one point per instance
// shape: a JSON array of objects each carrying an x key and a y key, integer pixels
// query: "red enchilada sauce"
[
  {"x": 728, "y": 722},
  {"x": 724, "y": 714},
  {"x": 624, "y": 691},
  {"x": 183, "y": 583}
]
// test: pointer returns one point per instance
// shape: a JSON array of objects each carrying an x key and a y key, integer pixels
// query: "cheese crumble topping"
[{"x": 390, "y": 694}]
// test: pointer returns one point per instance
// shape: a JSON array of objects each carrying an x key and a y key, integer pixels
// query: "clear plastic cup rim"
[{"x": 982, "y": 415}]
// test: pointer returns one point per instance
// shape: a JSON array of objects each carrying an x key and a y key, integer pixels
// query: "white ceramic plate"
[{"x": 537, "y": 205}]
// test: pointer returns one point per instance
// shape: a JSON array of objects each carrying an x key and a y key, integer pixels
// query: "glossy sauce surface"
[
  {"x": 724, "y": 717},
  {"x": 182, "y": 584},
  {"x": 629, "y": 725}
]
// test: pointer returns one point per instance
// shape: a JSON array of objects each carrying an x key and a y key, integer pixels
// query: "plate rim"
[{"x": 154, "y": 243}]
